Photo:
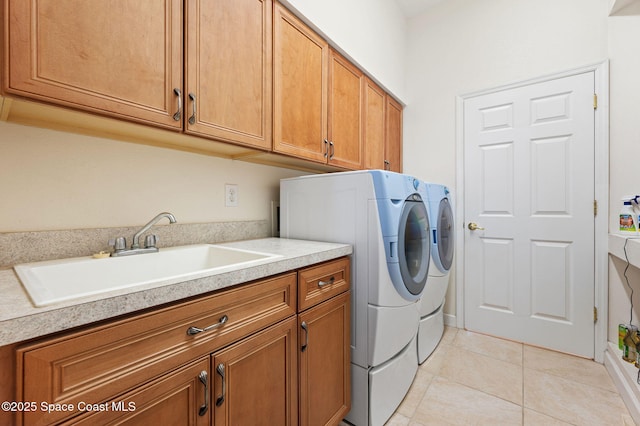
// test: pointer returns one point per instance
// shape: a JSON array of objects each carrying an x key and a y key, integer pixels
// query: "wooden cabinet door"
[
  {"x": 374, "y": 130},
  {"x": 181, "y": 397},
  {"x": 299, "y": 88},
  {"x": 116, "y": 58},
  {"x": 346, "y": 84},
  {"x": 325, "y": 362},
  {"x": 256, "y": 379},
  {"x": 229, "y": 70},
  {"x": 393, "y": 143}
]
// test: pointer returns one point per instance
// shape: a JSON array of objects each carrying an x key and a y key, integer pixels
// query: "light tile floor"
[{"x": 472, "y": 379}]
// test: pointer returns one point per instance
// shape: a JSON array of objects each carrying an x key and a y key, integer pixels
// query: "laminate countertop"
[{"x": 21, "y": 320}]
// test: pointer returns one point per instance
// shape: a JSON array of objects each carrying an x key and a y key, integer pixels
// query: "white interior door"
[{"x": 529, "y": 182}]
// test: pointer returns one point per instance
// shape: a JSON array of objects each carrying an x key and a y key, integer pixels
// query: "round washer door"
[
  {"x": 414, "y": 246},
  {"x": 445, "y": 234}
]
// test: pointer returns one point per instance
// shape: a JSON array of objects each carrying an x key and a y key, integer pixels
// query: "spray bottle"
[
  {"x": 635, "y": 203},
  {"x": 628, "y": 218}
]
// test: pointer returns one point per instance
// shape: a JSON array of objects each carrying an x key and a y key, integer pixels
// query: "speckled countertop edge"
[{"x": 20, "y": 320}]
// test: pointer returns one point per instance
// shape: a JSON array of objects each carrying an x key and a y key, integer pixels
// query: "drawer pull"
[
  {"x": 323, "y": 283},
  {"x": 306, "y": 338},
  {"x": 204, "y": 379},
  {"x": 195, "y": 330},
  {"x": 220, "y": 370}
]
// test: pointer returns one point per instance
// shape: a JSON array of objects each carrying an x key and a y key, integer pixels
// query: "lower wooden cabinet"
[
  {"x": 93, "y": 364},
  {"x": 252, "y": 382},
  {"x": 325, "y": 363},
  {"x": 253, "y": 359},
  {"x": 256, "y": 379},
  {"x": 181, "y": 397}
]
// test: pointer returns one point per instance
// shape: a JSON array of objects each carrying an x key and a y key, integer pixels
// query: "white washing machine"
[
  {"x": 431, "y": 325},
  {"x": 382, "y": 214}
]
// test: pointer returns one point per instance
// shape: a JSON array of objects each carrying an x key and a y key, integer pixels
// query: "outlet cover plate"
[{"x": 231, "y": 195}]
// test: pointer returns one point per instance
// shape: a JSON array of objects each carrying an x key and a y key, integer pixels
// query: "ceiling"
[{"x": 412, "y": 8}]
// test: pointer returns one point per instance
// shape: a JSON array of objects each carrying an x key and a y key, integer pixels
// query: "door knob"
[{"x": 474, "y": 227}]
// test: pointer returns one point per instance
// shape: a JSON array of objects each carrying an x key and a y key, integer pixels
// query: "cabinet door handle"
[
  {"x": 204, "y": 379},
  {"x": 192, "y": 119},
  {"x": 306, "y": 334},
  {"x": 195, "y": 330},
  {"x": 332, "y": 149},
  {"x": 178, "y": 113},
  {"x": 387, "y": 165},
  {"x": 323, "y": 283},
  {"x": 220, "y": 370},
  {"x": 326, "y": 148}
]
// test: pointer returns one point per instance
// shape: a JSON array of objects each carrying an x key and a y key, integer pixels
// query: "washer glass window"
[
  {"x": 414, "y": 246},
  {"x": 445, "y": 231}
]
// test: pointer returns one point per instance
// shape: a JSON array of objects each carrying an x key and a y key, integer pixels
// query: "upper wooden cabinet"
[
  {"x": 317, "y": 97},
  {"x": 300, "y": 86},
  {"x": 393, "y": 135},
  {"x": 383, "y": 129},
  {"x": 374, "y": 131},
  {"x": 346, "y": 85},
  {"x": 116, "y": 58},
  {"x": 229, "y": 70},
  {"x": 247, "y": 72},
  {"x": 125, "y": 59}
]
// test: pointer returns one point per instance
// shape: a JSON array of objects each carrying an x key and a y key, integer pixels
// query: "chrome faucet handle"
[
  {"x": 150, "y": 241},
  {"x": 118, "y": 244}
]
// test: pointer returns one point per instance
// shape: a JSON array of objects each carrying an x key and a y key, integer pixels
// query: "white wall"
[
  {"x": 624, "y": 42},
  {"x": 370, "y": 32},
  {"x": 624, "y": 155},
  {"x": 55, "y": 180},
  {"x": 460, "y": 46}
]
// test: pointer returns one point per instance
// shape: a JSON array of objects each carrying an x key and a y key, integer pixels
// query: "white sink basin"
[{"x": 58, "y": 280}]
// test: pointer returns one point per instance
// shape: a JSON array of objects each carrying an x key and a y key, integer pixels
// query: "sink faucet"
[
  {"x": 136, "y": 237},
  {"x": 120, "y": 244}
]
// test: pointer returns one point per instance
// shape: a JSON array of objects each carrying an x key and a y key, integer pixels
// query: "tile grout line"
[{"x": 533, "y": 411}]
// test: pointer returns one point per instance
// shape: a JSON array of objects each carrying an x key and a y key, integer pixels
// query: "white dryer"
[
  {"x": 442, "y": 249},
  {"x": 383, "y": 215}
]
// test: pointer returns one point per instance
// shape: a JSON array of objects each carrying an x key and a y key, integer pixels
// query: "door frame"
[{"x": 601, "y": 194}]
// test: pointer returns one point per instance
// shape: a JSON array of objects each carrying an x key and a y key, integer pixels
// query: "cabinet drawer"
[
  {"x": 323, "y": 281},
  {"x": 95, "y": 364}
]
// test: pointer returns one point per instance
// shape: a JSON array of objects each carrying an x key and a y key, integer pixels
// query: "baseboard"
[
  {"x": 624, "y": 376},
  {"x": 450, "y": 320}
]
